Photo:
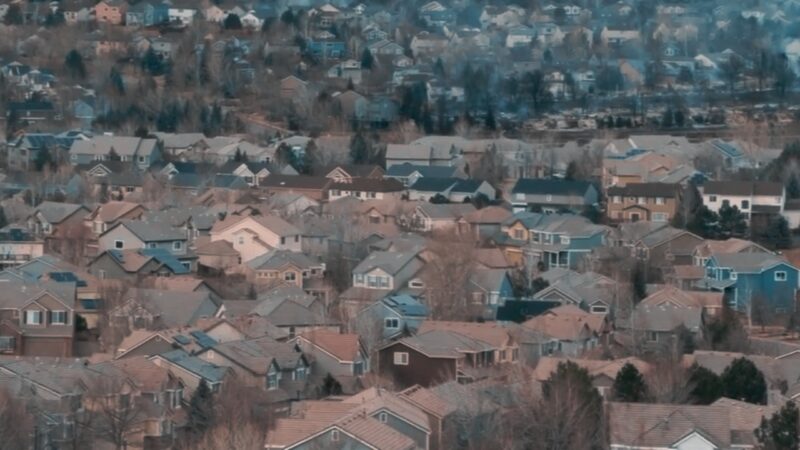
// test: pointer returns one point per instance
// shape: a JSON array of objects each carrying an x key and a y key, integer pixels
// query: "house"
[
  {"x": 643, "y": 426},
  {"x": 710, "y": 247},
  {"x": 283, "y": 267},
  {"x": 57, "y": 220},
  {"x": 139, "y": 234},
  {"x": 346, "y": 173},
  {"x": 253, "y": 173},
  {"x": 487, "y": 222},
  {"x": 375, "y": 418},
  {"x": 38, "y": 319},
  {"x": 602, "y": 372},
  {"x": 419, "y": 153},
  {"x": 444, "y": 351},
  {"x": 391, "y": 316},
  {"x": 441, "y": 217},
  {"x": 137, "y": 264},
  {"x": 111, "y": 12},
  {"x": 263, "y": 363},
  {"x": 552, "y": 196},
  {"x": 753, "y": 280},
  {"x": 192, "y": 370},
  {"x": 456, "y": 190},
  {"x": 253, "y": 236},
  {"x": 386, "y": 270},
  {"x": 141, "y": 153},
  {"x": 557, "y": 240},
  {"x": 156, "y": 308},
  {"x": 343, "y": 356},
  {"x": 23, "y": 151},
  {"x": 176, "y": 144},
  {"x": 520, "y": 36},
  {"x": 313, "y": 187},
  {"x": 352, "y": 105},
  {"x": 589, "y": 291},
  {"x": 569, "y": 330},
  {"x": 408, "y": 173},
  {"x": 617, "y": 37},
  {"x": 489, "y": 288},
  {"x": 365, "y": 188},
  {"x": 750, "y": 197},
  {"x": 661, "y": 246},
  {"x": 436, "y": 15},
  {"x": 109, "y": 214},
  {"x": 286, "y": 307},
  {"x": 18, "y": 246},
  {"x": 293, "y": 88},
  {"x": 656, "y": 202}
]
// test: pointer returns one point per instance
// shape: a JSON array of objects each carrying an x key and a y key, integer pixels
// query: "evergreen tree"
[
  {"x": 731, "y": 221},
  {"x": 232, "y": 22},
  {"x": 780, "y": 432},
  {"x": 572, "y": 171},
  {"x": 152, "y": 63},
  {"x": 43, "y": 159},
  {"x": 3, "y": 218},
  {"x": 577, "y": 406},
  {"x": 359, "y": 149},
  {"x": 778, "y": 233},
  {"x": 330, "y": 386},
  {"x": 704, "y": 223},
  {"x": 14, "y": 15},
  {"x": 629, "y": 385},
  {"x": 238, "y": 157},
  {"x": 201, "y": 410},
  {"x": 491, "y": 121},
  {"x": 116, "y": 81},
  {"x": 706, "y": 386},
  {"x": 639, "y": 281},
  {"x": 73, "y": 64},
  {"x": 743, "y": 381},
  {"x": 367, "y": 60}
]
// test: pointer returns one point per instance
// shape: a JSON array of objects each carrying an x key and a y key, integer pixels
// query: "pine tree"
[
  {"x": 780, "y": 432},
  {"x": 14, "y": 15},
  {"x": 367, "y": 61},
  {"x": 731, "y": 221},
  {"x": 73, "y": 63},
  {"x": 629, "y": 385},
  {"x": 743, "y": 381},
  {"x": 359, "y": 149},
  {"x": 706, "y": 386},
  {"x": 232, "y": 22},
  {"x": 201, "y": 410}
]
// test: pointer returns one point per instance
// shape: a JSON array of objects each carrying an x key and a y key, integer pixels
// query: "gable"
[{"x": 694, "y": 441}]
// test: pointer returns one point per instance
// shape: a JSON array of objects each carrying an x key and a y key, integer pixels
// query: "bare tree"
[
  {"x": 16, "y": 423},
  {"x": 117, "y": 417},
  {"x": 450, "y": 262},
  {"x": 668, "y": 381}
]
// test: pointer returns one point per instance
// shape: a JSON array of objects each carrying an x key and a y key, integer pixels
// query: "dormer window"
[{"x": 33, "y": 317}]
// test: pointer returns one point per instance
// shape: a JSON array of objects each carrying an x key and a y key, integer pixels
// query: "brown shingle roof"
[
  {"x": 743, "y": 188},
  {"x": 428, "y": 401},
  {"x": 295, "y": 182},
  {"x": 488, "y": 332},
  {"x": 659, "y": 425},
  {"x": 369, "y": 185},
  {"x": 548, "y": 365},
  {"x": 666, "y": 190},
  {"x": 345, "y": 347}
]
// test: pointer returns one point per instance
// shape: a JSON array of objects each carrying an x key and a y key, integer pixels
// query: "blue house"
[
  {"x": 392, "y": 316},
  {"x": 748, "y": 277},
  {"x": 328, "y": 47},
  {"x": 555, "y": 240}
]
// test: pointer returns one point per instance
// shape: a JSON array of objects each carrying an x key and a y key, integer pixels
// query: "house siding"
[{"x": 421, "y": 369}]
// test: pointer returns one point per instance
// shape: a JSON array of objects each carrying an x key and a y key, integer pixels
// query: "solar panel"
[
  {"x": 203, "y": 339},
  {"x": 183, "y": 340}
]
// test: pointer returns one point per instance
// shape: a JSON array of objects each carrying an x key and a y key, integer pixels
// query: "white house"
[
  {"x": 750, "y": 197},
  {"x": 253, "y": 236}
]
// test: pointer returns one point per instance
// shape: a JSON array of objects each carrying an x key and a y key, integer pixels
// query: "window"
[
  {"x": 33, "y": 317},
  {"x": 745, "y": 204},
  {"x": 659, "y": 200},
  {"x": 241, "y": 240},
  {"x": 7, "y": 343},
  {"x": 652, "y": 336},
  {"x": 400, "y": 358},
  {"x": 641, "y": 200},
  {"x": 177, "y": 245},
  {"x": 565, "y": 240},
  {"x": 335, "y": 435},
  {"x": 383, "y": 417},
  {"x": 734, "y": 276},
  {"x": 272, "y": 379},
  {"x": 549, "y": 198},
  {"x": 151, "y": 245},
  {"x": 617, "y": 199},
  {"x": 283, "y": 241},
  {"x": 780, "y": 276},
  {"x": 289, "y": 276},
  {"x": 712, "y": 198},
  {"x": 58, "y": 317},
  {"x": 297, "y": 238},
  {"x": 659, "y": 217},
  {"x": 119, "y": 244},
  {"x": 518, "y": 234},
  {"x": 391, "y": 323},
  {"x": 141, "y": 159},
  {"x": 300, "y": 373},
  {"x": 599, "y": 309},
  {"x": 359, "y": 278},
  {"x": 358, "y": 368}
]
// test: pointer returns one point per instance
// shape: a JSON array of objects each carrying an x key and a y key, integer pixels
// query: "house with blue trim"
[
  {"x": 748, "y": 277},
  {"x": 392, "y": 316},
  {"x": 556, "y": 240}
]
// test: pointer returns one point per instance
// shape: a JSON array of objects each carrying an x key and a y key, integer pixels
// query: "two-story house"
[
  {"x": 18, "y": 246},
  {"x": 139, "y": 234},
  {"x": 446, "y": 351},
  {"x": 35, "y": 319},
  {"x": 57, "y": 220},
  {"x": 656, "y": 202},
  {"x": 253, "y": 236},
  {"x": 111, "y": 12},
  {"x": 108, "y": 214},
  {"x": 140, "y": 153},
  {"x": 136, "y": 265},
  {"x": 386, "y": 270},
  {"x": 753, "y": 280},
  {"x": 391, "y": 316},
  {"x": 343, "y": 356},
  {"x": 556, "y": 240},
  {"x": 284, "y": 267},
  {"x": 750, "y": 197},
  {"x": 551, "y": 196}
]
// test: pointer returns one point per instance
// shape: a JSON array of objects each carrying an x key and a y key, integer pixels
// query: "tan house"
[
  {"x": 253, "y": 236},
  {"x": 109, "y": 214},
  {"x": 111, "y": 12},
  {"x": 218, "y": 255},
  {"x": 655, "y": 202},
  {"x": 283, "y": 267}
]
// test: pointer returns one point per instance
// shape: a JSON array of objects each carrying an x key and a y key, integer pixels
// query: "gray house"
[
  {"x": 137, "y": 234},
  {"x": 553, "y": 195},
  {"x": 391, "y": 316},
  {"x": 141, "y": 153}
]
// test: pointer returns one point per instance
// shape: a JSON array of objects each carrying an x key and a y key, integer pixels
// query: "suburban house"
[
  {"x": 551, "y": 196},
  {"x": 656, "y": 202},
  {"x": 445, "y": 351},
  {"x": 421, "y": 154},
  {"x": 18, "y": 246},
  {"x": 557, "y": 240},
  {"x": 589, "y": 291},
  {"x": 253, "y": 236},
  {"x": 710, "y": 247},
  {"x": 192, "y": 370},
  {"x": 441, "y": 217},
  {"x": 35, "y": 319},
  {"x": 313, "y": 187},
  {"x": 283, "y": 267},
  {"x": 391, "y": 316},
  {"x": 386, "y": 270},
  {"x": 372, "y": 419},
  {"x": 343, "y": 356},
  {"x": 455, "y": 190},
  {"x": 408, "y": 173},
  {"x": 365, "y": 188},
  {"x": 154, "y": 308},
  {"x": 139, "y": 234},
  {"x": 571, "y": 330},
  {"x": 288, "y": 308},
  {"x": 602, "y": 372},
  {"x": 750, "y": 197},
  {"x": 135, "y": 265},
  {"x": 139, "y": 152},
  {"x": 57, "y": 220},
  {"x": 109, "y": 214},
  {"x": 753, "y": 280},
  {"x": 660, "y": 245}
]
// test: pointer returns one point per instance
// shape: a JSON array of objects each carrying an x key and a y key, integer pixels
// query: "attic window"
[
  {"x": 780, "y": 276},
  {"x": 335, "y": 435},
  {"x": 118, "y": 244},
  {"x": 383, "y": 417}
]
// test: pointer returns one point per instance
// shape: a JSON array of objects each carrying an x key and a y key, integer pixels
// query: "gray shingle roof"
[
  {"x": 55, "y": 212},
  {"x": 153, "y": 231},
  {"x": 554, "y": 187}
]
